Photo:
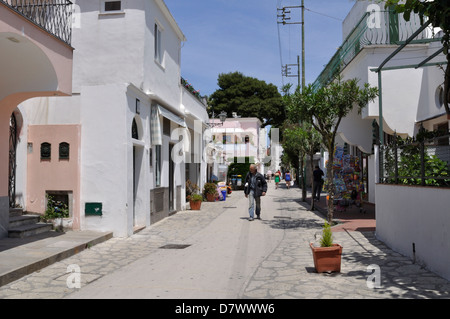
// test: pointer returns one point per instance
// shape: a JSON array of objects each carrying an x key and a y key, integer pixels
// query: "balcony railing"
[
  {"x": 393, "y": 30},
  {"x": 54, "y": 16}
]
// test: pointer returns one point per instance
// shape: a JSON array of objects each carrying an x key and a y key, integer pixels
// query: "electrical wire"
[
  {"x": 279, "y": 43},
  {"x": 323, "y": 14}
]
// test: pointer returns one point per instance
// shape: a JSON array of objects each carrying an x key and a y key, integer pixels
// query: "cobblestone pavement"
[
  {"x": 107, "y": 257},
  {"x": 287, "y": 272}
]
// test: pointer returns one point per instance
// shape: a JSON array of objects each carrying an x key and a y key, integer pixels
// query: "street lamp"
[{"x": 222, "y": 116}]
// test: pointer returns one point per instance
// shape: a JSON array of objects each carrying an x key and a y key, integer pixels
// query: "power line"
[
  {"x": 281, "y": 53},
  {"x": 325, "y": 15}
]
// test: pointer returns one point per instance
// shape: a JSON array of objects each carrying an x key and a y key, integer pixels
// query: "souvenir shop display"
[{"x": 347, "y": 178}]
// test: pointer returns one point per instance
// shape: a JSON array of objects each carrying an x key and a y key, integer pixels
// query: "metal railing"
[
  {"x": 393, "y": 29},
  {"x": 424, "y": 162},
  {"x": 54, "y": 16}
]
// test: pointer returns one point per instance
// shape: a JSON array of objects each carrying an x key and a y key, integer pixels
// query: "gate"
[{"x": 12, "y": 161}]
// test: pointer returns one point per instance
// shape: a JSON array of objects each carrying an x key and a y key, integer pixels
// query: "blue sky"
[{"x": 243, "y": 35}]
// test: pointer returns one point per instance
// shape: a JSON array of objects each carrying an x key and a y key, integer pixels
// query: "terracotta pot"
[
  {"x": 195, "y": 205},
  {"x": 211, "y": 197},
  {"x": 327, "y": 259}
]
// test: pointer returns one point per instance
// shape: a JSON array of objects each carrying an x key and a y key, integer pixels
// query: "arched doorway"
[{"x": 13, "y": 139}]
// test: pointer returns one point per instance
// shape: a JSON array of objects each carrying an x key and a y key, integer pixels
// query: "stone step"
[
  {"x": 13, "y": 212},
  {"x": 16, "y": 221},
  {"x": 29, "y": 230}
]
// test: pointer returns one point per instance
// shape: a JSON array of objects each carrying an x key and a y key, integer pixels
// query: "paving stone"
[{"x": 287, "y": 272}]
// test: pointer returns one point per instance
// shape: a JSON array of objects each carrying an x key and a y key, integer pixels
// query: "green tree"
[
  {"x": 324, "y": 109},
  {"x": 437, "y": 12},
  {"x": 311, "y": 140},
  {"x": 248, "y": 97},
  {"x": 304, "y": 139},
  {"x": 294, "y": 152}
]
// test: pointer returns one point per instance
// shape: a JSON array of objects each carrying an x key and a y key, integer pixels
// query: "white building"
[
  {"x": 409, "y": 95},
  {"x": 127, "y": 100},
  {"x": 411, "y": 220}
]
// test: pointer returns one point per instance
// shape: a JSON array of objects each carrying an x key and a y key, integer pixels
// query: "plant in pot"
[
  {"x": 193, "y": 196},
  {"x": 195, "y": 201},
  {"x": 327, "y": 257},
  {"x": 56, "y": 212},
  {"x": 210, "y": 191}
]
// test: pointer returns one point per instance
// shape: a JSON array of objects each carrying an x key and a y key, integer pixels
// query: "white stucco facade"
[
  {"x": 409, "y": 219},
  {"x": 117, "y": 80},
  {"x": 408, "y": 94},
  {"x": 413, "y": 221}
]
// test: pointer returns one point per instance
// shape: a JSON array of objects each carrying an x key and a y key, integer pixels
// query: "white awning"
[{"x": 171, "y": 116}]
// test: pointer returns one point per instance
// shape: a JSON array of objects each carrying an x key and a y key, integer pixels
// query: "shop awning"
[{"x": 171, "y": 116}]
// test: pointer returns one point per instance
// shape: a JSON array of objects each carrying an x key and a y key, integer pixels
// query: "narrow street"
[{"x": 218, "y": 254}]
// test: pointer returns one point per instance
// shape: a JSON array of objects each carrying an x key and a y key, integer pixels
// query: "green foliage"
[
  {"x": 192, "y": 191},
  {"x": 240, "y": 166},
  {"x": 324, "y": 109},
  {"x": 293, "y": 150},
  {"x": 195, "y": 197},
  {"x": 55, "y": 209},
  {"x": 410, "y": 167},
  {"x": 210, "y": 188},
  {"x": 327, "y": 236},
  {"x": 249, "y": 97}
]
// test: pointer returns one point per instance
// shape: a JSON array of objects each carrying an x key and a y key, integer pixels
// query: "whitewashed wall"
[{"x": 409, "y": 214}]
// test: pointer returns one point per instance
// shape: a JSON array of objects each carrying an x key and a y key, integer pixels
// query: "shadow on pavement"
[{"x": 9, "y": 243}]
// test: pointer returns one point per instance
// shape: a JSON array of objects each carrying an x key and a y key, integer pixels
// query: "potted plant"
[
  {"x": 210, "y": 191},
  {"x": 195, "y": 201},
  {"x": 327, "y": 257},
  {"x": 57, "y": 212},
  {"x": 193, "y": 195}
]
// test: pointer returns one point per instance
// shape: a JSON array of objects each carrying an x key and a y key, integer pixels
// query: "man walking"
[
  {"x": 255, "y": 187},
  {"x": 318, "y": 182}
]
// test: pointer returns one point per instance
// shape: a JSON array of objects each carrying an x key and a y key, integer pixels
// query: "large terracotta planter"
[
  {"x": 195, "y": 205},
  {"x": 327, "y": 259}
]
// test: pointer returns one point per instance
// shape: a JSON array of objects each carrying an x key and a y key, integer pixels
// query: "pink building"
[
  {"x": 241, "y": 137},
  {"x": 36, "y": 60}
]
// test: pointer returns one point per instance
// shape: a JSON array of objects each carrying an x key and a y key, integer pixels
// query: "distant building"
[{"x": 240, "y": 138}]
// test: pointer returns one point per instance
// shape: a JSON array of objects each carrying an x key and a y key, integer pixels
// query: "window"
[
  {"x": 158, "y": 165},
  {"x": 113, "y": 6},
  {"x": 440, "y": 96},
  {"x": 46, "y": 151},
  {"x": 166, "y": 126},
  {"x": 226, "y": 139},
  {"x": 158, "y": 49},
  {"x": 138, "y": 106},
  {"x": 134, "y": 130},
  {"x": 64, "y": 150}
]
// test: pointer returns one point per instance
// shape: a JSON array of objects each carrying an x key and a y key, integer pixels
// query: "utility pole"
[
  {"x": 284, "y": 16},
  {"x": 286, "y": 70},
  {"x": 303, "y": 47}
]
